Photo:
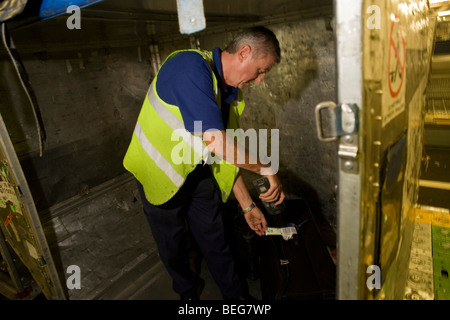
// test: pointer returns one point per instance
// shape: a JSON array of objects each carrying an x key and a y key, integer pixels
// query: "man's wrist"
[
  {"x": 249, "y": 208},
  {"x": 266, "y": 171}
]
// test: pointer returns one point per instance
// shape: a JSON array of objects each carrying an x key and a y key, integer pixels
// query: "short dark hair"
[{"x": 260, "y": 39}]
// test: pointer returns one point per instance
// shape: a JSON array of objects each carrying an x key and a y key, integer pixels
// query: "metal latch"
[{"x": 343, "y": 123}]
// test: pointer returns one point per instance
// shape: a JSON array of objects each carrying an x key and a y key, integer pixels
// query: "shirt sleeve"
[{"x": 185, "y": 80}]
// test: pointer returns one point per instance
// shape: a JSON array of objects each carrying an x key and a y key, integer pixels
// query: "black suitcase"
[
  {"x": 243, "y": 241},
  {"x": 299, "y": 268}
]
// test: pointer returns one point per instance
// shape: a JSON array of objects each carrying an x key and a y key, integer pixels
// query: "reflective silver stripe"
[
  {"x": 175, "y": 124},
  {"x": 157, "y": 157}
]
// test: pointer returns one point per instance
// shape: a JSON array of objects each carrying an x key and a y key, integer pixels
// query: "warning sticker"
[
  {"x": 7, "y": 194},
  {"x": 396, "y": 59},
  {"x": 395, "y": 72}
]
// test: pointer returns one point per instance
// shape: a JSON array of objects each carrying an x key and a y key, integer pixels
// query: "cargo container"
[{"x": 357, "y": 108}]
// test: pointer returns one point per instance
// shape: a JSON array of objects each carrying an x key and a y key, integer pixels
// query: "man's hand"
[
  {"x": 275, "y": 193},
  {"x": 256, "y": 221}
]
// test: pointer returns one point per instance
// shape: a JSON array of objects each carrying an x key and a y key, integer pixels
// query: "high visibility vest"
[{"x": 162, "y": 152}]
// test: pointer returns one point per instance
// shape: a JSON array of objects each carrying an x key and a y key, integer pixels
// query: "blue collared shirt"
[{"x": 185, "y": 80}]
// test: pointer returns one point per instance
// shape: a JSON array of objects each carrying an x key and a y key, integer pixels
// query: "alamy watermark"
[
  {"x": 257, "y": 146},
  {"x": 374, "y": 280},
  {"x": 74, "y": 280},
  {"x": 374, "y": 20},
  {"x": 74, "y": 21}
]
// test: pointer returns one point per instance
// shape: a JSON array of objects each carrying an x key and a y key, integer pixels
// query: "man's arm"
[
  {"x": 255, "y": 218},
  {"x": 228, "y": 149}
]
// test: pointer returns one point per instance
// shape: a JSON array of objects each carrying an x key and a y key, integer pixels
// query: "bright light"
[
  {"x": 439, "y": 3},
  {"x": 444, "y": 13}
]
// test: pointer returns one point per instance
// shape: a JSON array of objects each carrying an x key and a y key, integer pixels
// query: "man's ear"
[{"x": 244, "y": 52}]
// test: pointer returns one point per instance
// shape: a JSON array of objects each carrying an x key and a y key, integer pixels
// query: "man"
[{"x": 185, "y": 162}]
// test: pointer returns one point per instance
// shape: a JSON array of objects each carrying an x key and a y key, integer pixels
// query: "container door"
[
  {"x": 383, "y": 51},
  {"x": 21, "y": 233}
]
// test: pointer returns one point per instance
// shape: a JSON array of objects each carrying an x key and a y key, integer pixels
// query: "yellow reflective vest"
[{"x": 162, "y": 152}]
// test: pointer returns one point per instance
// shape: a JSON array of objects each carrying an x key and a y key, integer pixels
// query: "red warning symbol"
[{"x": 397, "y": 58}]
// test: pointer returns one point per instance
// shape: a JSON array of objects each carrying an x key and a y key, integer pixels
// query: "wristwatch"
[{"x": 249, "y": 208}]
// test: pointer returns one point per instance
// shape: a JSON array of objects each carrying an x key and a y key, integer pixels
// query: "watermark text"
[
  {"x": 74, "y": 21},
  {"x": 237, "y": 151},
  {"x": 374, "y": 280},
  {"x": 74, "y": 280}
]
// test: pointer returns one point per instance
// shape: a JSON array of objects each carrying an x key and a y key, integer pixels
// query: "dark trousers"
[{"x": 194, "y": 209}]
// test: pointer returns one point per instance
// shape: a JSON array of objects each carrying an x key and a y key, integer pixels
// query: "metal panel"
[
  {"x": 383, "y": 58},
  {"x": 21, "y": 226},
  {"x": 349, "y": 84},
  {"x": 394, "y": 103}
]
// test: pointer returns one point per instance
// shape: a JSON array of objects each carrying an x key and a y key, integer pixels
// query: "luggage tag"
[{"x": 287, "y": 233}]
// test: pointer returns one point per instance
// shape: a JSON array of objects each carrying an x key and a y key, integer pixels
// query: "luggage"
[
  {"x": 299, "y": 268},
  {"x": 243, "y": 241}
]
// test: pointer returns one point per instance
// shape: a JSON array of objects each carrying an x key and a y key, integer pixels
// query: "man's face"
[{"x": 253, "y": 70}]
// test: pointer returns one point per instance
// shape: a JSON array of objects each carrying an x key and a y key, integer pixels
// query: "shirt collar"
[{"x": 218, "y": 64}]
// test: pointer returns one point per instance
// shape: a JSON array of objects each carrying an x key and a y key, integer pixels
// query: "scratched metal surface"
[{"x": 388, "y": 244}]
